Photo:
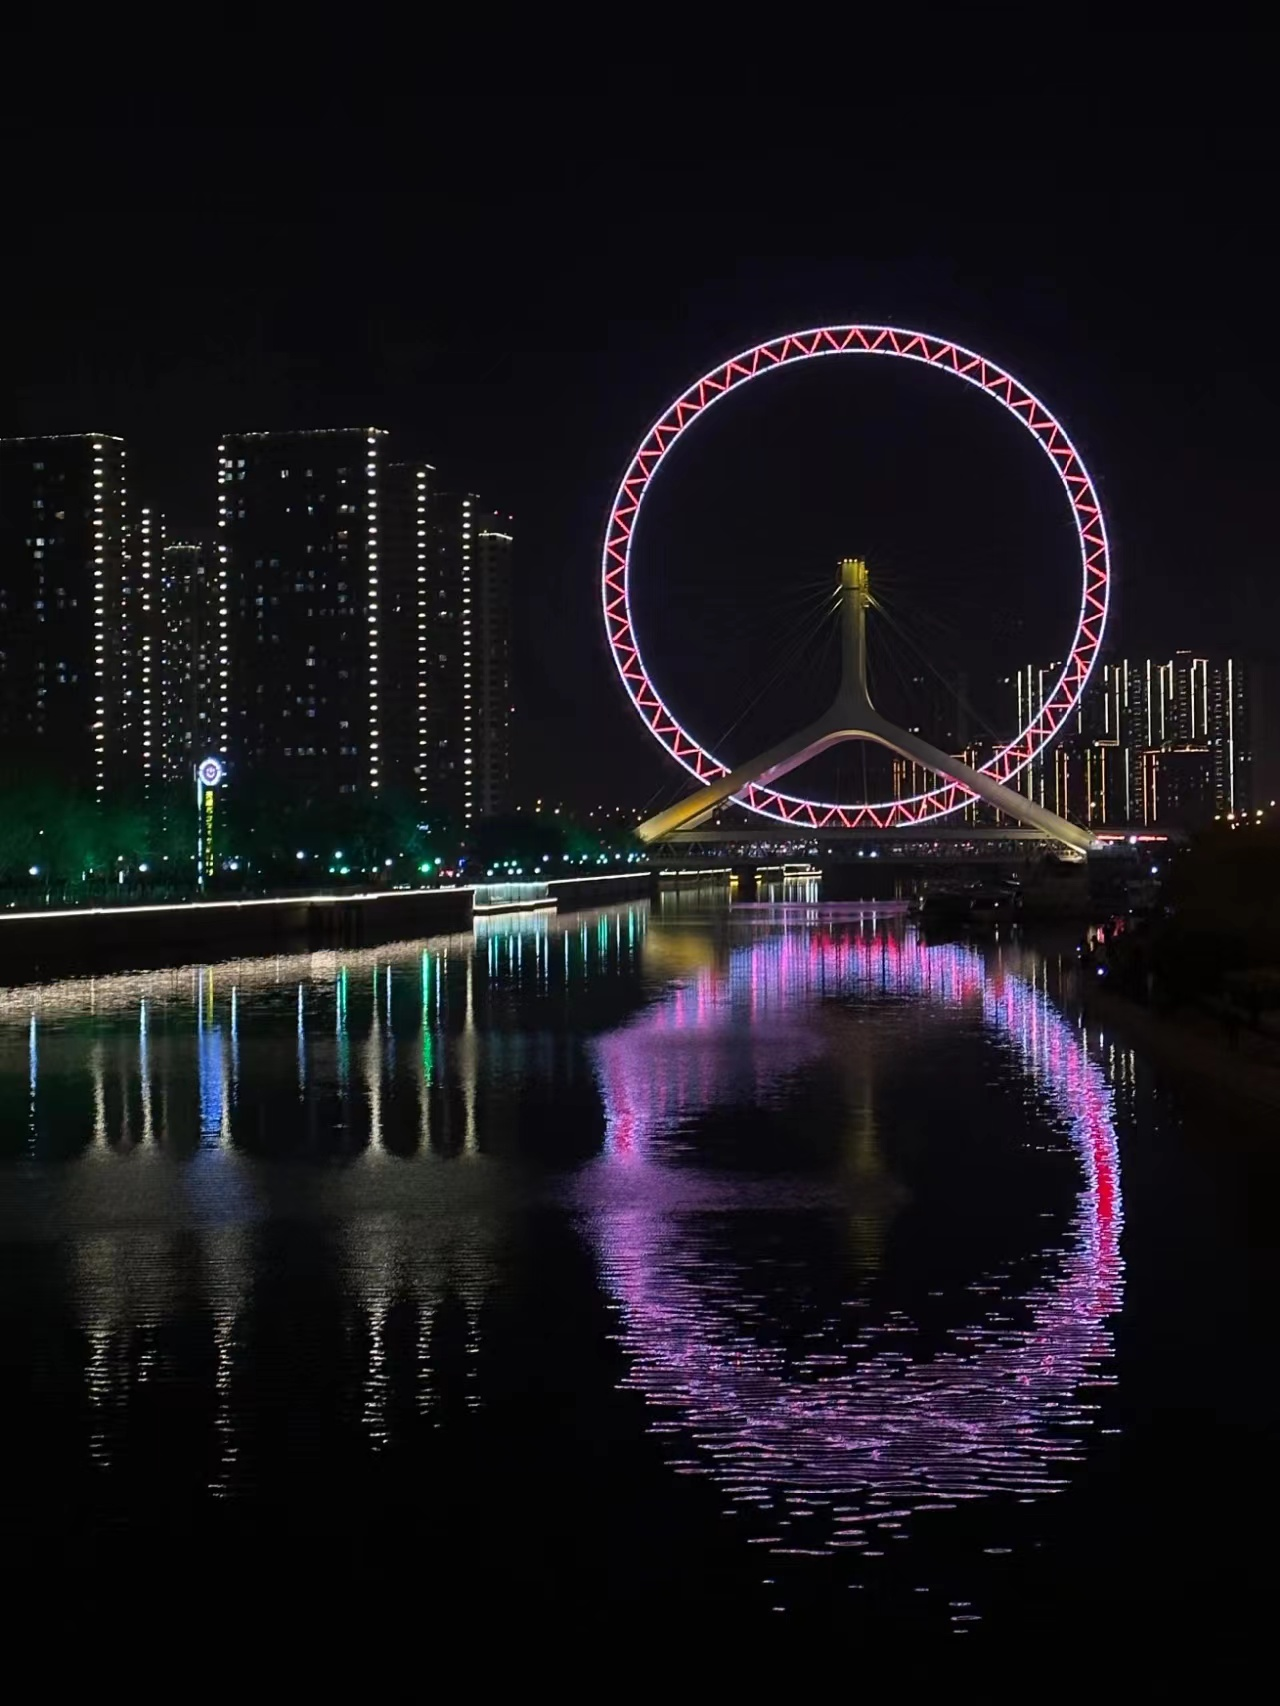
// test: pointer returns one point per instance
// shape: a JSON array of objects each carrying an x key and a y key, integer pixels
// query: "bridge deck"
[{"x": 926, "y": 834}]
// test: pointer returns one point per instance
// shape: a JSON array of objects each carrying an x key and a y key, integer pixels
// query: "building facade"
[
  {"x": 1152, "y": 743},
  {"x": 407, "y": 667},
  {"x": 367, "y": 630},
  {"x": 63, "y": 578},
  {"x": 444, "y": 759},
  {"x": 1233, "y": 699},
  {"x": 299, "y": 575},
  {"x": 347, "y": 634},
  {"x": 486, "y": 667},
  {"x": 466, "y": 711},
  {"x": 190, "y": 662},
  {"x": 141, "y": 722}
]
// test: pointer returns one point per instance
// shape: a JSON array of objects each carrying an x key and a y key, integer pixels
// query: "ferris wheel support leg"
[
  {"x": 1005, "y": 799},
  {"x": 765, "y": 768},
  {"x": 854, "y": 717},
  {"x": 789, "y": 755}
]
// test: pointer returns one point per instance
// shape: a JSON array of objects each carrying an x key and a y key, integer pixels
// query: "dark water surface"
[{"x": 775, "y": 1265}]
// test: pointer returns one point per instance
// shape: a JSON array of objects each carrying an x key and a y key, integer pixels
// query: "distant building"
[
  {"x": 191, "y": 661},
  {"x": 410, "y": 670},
  {"x": 1151, "y": 743},
  {"x": 142, "y": 626},
  {"x": 486, "y": 668},
  {"x": 63, "y": 712},
  {"x": 298, "y": 521},
  {"x": 174, "y": 659},
  {"x": 1046, "y": 780},
  {"x": 464, "y": 679},
  {"x": 909, "y": 780},
  {"x": 1194, "y": 740},
  {"x": 1178, "y": 787},
  {"x": 367, "y": 626},
  {"x": 1080, "y": 774},
  {"x": 1233, "y": 702}
]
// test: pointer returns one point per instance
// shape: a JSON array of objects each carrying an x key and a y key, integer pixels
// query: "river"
[{"x": 769, "y": 1264}]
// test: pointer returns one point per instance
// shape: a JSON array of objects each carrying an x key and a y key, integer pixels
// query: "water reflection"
[
  {"x": 838, "y": 1442},
  {"x": 278, "y": 1202},
  {"x": 211, "y": 1151},
  {"x": 386, "y": 1045}
]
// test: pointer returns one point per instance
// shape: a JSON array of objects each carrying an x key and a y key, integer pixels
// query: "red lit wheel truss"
[{"x": 908, "y": 346}]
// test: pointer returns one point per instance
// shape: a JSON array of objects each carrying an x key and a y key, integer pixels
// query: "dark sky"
[{"x": 518, "y": 307}]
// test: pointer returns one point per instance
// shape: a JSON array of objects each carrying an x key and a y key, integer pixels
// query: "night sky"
[{"x": 518, "y": 312}]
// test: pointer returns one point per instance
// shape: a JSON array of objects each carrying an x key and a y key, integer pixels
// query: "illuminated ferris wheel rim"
[{"x": 891, "y": 341}]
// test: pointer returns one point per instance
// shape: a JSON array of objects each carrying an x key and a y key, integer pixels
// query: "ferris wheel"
[{"x": 852, "y": 716}]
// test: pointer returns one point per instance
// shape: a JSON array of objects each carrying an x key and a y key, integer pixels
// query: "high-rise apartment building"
[
  {"x": 465, "y": 763},
  {"x": 1046, "y": 779},
  {"x": 1187, "y": 700},
  {"x": 142, "y": 635},
  {"x": 367, "y": 627},
  {"x": 1080, "y": 774},
  {"x": 1232, "y": 697},
  {"x": 190, "y": 662},
  {"x": 173, "y": 662},
  {"x": 349, "y": 632},
  {"x": 408, "y": 666},
  {"x": 1192, "y": 743},
  {"x": 445, "y": 731},
  {"x": 63, "y": 572},
  {"x": 300, "y": 575},
  {"x": 1150, "y": 743},
  {"x": 908, "y": 780},
  {"x": 486, "y": 668},
  {"x": 1178, "y": 787}
]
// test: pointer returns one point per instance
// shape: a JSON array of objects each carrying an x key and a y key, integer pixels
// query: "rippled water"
[{"x": 781, "y": 1263}]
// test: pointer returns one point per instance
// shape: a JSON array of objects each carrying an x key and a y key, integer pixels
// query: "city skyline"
[
  {"x": 1153, "y": 742},
  {"x": 331, "y": 583},
  {"x": 538, "y": 394},
  {"x": 178, "y": 626}
]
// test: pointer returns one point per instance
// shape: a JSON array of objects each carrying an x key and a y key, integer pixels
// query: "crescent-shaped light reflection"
[{"x": 862, "y": 1425}]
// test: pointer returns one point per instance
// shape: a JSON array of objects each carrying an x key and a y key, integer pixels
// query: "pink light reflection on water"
[{"x": 859, "y": 1426}]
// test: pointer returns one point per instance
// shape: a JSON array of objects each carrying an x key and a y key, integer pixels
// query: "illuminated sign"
[
  {"x": 208, "y": 832},
  {"x": 209, "y": 772}
]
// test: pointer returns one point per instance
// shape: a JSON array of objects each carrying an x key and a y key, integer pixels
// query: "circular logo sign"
[{"x": 211, "y": 771}]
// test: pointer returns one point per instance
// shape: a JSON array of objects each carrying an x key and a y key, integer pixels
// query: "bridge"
[
  {"x": 906, "y": 835},
  {"x": 852, "y": 717}
]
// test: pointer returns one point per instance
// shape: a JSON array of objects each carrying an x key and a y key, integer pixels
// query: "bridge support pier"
[{"x": 746, "y": 884}]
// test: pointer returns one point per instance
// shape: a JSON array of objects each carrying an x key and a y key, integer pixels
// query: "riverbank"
[
  {"x": 1196, "y": 1046},
  {"x": 135, "y": 938}
]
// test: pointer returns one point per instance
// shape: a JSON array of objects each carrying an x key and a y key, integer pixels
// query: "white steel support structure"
[{"x": 852, "y": 716}]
